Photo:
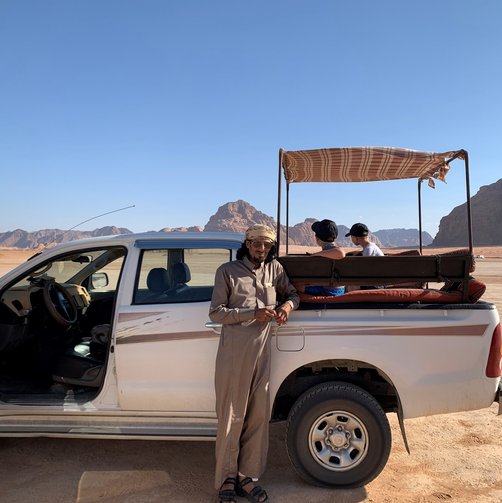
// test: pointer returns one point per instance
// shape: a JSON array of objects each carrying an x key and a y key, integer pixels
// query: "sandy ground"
[{"x": 454, "y": 457}]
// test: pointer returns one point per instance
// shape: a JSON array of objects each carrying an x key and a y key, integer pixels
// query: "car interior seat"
[
  {"x": 157, "y": 281},
  {"x": 84, "y": 365},
  {"x": 179, "y": 275}
]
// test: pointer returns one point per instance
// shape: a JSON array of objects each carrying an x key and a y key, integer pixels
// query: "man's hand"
[
  {"x": 282, "y": 313},
  {"x": 264, "y": 314}
]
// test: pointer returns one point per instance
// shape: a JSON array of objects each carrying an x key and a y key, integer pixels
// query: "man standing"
[{"x": 249, "y": 293}]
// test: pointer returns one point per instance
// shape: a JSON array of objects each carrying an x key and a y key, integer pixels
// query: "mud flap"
[
  {"x": 401, "y": 423},
  {"x": 499, "y": 398}
]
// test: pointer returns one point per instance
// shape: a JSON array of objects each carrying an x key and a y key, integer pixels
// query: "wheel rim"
[{"x": 338, "y": 440}]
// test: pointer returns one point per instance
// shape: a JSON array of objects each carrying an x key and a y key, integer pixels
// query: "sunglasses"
[{"x": 258, "y": 244}]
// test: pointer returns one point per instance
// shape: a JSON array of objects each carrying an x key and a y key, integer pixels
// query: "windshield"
[{"x": 65, "y": 268}]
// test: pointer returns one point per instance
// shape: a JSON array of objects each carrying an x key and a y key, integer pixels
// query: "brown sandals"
[
  {"x": 228, "y": 495},
  {"x": 256, "y": 495}
]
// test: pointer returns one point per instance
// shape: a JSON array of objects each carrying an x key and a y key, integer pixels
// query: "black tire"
[{"x": 338, "y": 436}]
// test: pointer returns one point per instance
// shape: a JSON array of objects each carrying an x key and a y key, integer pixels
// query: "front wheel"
[{"x": 338, "y": 436}]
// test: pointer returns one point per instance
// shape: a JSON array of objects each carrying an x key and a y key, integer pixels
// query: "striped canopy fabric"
[{"x": 364, "y": 164}]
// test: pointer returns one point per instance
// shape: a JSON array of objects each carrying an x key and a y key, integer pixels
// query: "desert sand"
[{"x": 454, "y": 457}]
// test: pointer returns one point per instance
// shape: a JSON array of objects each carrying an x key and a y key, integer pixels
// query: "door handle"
[{"x": 215, "y": 327}]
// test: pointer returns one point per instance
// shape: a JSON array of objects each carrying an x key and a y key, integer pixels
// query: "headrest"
[
  {"x": 180, "y": 273},
  {"x": 157, "y": 280}
]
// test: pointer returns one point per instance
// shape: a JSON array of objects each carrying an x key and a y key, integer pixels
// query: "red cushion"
[
  {"x": 475, "y": 287},
  {"x": 401, "y": 295}
]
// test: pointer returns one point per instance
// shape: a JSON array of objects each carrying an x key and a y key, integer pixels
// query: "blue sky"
[{"x": 180, "y": 107}]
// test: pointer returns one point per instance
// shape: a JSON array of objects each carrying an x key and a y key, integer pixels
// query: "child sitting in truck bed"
[
  {"x": 326, "y": 232},
  {"x": 359, "y": 236}
]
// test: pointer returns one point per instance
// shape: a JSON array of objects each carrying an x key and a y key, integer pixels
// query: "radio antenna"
[{"x": 102, "y": 215}]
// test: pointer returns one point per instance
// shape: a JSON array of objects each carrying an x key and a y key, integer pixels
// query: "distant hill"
[
  {"x": 49, "y": 237},
  {"x": 402, "y": 238},
  {"x": 486, "y": 210}
]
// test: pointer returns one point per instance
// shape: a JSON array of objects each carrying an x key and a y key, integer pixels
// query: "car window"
[{"x": 177, "y": 275}]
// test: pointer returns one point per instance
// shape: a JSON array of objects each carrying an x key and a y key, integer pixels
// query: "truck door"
[{"x": 165, "y": 355}]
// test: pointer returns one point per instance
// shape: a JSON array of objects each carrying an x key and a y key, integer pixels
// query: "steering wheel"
[{"x": 60, "y": 304}]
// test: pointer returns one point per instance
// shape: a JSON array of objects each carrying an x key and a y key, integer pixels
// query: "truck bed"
[{"x": 399, "y": 274}]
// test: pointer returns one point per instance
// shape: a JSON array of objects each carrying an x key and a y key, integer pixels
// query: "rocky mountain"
[
  {"x": 239, "y": 215},
  {"x": 486, "y": 213},
  {"x": 402, "y": 238},
  {"x": 48, "y": 237}
]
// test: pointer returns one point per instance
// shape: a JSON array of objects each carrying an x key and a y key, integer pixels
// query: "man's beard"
[{"x": 258, "y": 260}]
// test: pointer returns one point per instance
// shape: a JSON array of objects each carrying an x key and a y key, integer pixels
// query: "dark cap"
[
  {"x": 325, "y": 230},
  {"x": 358, "y": 230}
]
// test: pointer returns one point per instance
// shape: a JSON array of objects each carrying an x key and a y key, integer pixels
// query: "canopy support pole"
[
  {"x": 468, "y": 195},
  {"x": 279, "y": 202},
  {"x": 420, "y": 214},
  {"x": 287, "y": 218},
  {"x": 463, "y": 154}
]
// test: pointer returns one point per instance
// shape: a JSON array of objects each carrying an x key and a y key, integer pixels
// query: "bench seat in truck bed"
[{"x": 393, "y": 271}]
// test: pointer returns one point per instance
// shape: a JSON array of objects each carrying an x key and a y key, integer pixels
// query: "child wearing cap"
[
  {"x": 359, "y": 236},
  {"x": 326, "y": 233}
]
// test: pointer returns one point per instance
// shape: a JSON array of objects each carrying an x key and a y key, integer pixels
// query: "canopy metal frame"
[{"x": 459, "y": 154}]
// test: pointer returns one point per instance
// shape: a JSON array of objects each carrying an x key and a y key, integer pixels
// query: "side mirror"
[{"x": 99, "y": 280}]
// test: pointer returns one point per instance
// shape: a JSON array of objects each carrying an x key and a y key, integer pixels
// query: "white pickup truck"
[{"x": 110, "y": 338}]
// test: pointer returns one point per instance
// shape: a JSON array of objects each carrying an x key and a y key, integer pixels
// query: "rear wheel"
[{"x": 338, "y": 435}]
